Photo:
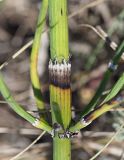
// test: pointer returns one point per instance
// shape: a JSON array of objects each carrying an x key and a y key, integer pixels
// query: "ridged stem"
[
  {"x": 61, "y": 149},
  {"x": 59, "y": 71},
  {"x": 58, "y": 29},
  {"x": 59, "y": 50}
]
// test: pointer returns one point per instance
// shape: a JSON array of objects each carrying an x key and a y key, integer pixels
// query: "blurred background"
[{"x": 89, "y": 58}]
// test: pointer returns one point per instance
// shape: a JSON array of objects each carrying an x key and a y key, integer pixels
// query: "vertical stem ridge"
[
  {"x": 62, "y": 147},
  {"x": 60, "y": 68},
  {"x": 60, "y": 92},
  {"x": 58, "y": 29}
]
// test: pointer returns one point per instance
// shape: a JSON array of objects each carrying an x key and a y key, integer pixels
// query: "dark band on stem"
[
  {"x": 59, "y": 73},
  {"x": 110, "y": 43}
]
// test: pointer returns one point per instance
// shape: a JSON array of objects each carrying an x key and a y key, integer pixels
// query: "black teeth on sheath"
[{"x": 59, "y": 74}]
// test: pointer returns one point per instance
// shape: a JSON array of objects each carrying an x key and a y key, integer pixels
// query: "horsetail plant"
[{"x": 61, "y": 128}]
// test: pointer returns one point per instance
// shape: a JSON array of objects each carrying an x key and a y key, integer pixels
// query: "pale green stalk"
[
  {"x": 34, "y": 55},
  {"x": 88, "y": 119}
]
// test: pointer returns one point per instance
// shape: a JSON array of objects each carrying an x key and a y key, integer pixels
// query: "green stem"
[
  {"x": 58, "y": 29},
  {"x": 108, "y": 73},
  {"x": 19, "y": 110},
  {"x": 62, "y": 149},
  {"x": 88, "y": 119},
  {"x": 96, "y": 113},
  {"x": 59, "y": 51},
  {"x": 59, "y": 70},
  {"x": 98, "y": 93},
  {"x": 14, "y": 105},
  {"x": 34, "y": 55},
  {"x": 115, "y": 89}
]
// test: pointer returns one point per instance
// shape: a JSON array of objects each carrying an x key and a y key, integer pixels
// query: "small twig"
[
  {"x": 122, "y": 155},
  {"x": 102, "y": 34},
  {"x": 89, "y": 5},
  {"x": 112, "y": 44},
  {"x": 109, "y": 142},
  {"x": 112, "y": 66},
  {"x": 93, "y": 28},
  {"x": 16, "y": 54},
  {"x": 27, "y": 148},
  {"x": 20, "y": 51}
]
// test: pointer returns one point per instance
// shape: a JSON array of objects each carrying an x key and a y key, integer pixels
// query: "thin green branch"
[
  {"x": 19, "y": 110},
  {"x": 111, "y": 67},
  {"x": 115, "y": 89},
  {"x": 88, "y": 119},
  {"x": 34, "y": 55}
]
